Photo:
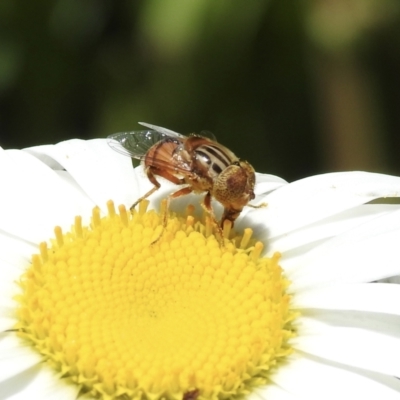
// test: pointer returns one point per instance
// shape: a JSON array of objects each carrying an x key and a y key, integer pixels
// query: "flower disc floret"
[{"x": 127, "y": 309}]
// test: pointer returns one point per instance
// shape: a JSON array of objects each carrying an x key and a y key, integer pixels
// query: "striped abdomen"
[{"x": 213, "y": 158}]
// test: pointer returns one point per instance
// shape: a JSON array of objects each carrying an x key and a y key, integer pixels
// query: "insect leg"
[
  {"x": 209, "y": 210},
  {"x": 151, "y": 172},
  {"x": 262, "y": 205},
  {"x": 181, "y": 192},
  {"x": 230, "y": 214},
  {"x": 156, "y": 186}
]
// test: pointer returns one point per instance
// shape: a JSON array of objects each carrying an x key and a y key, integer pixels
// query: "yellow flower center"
[{"x": 128, "y": 310}]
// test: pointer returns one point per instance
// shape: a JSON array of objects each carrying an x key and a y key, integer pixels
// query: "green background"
[{"x": 297, "y": 87}]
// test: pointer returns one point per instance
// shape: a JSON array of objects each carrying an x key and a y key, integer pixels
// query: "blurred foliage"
[{"x": 296, "y": 87}]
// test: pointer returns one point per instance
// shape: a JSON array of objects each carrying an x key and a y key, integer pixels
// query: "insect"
[
  {"x": 192, "y": 395},
  {"x": 197, "y": 163}
]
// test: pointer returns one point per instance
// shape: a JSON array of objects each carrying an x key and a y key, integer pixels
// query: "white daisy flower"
[{"x": 102, "y": 313}]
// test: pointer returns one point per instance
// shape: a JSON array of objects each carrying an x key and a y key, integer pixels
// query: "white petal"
[
  {"x": 313, "y": 320},
  {"x": 14, "y": 356},
  {"x": 367, "y": 253},
  {"x": 392, "y": 279},
  {"x": 6, "y": 322},
  {"x": 38, "y": 382},
  {"x": 83, "y": 205},
  {"x": 15, "y": 251},
  {"x": 372, "y": 297},
  {"x": 274, "y": 392},
  {"x": 309, "y": 378},
  {"x": 373, "y": 344},
  {"x": 267, "y": 183},
  {"x": 34, "y": 197},
  {"x": 14, "y": 259},
  {"x": 329, "y": 227},
  {"x": 101, "y": 172},
  {"x": 8, "y": 287},
  {"x": 309, "y": 200}
]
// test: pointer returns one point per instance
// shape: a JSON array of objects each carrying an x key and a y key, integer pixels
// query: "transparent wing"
[
  {"x": 208, "y": 135},
  {"x": 168, "y": 132},
  {"x": 164, "y": 131},
  {"x": 136, "y": 143}
]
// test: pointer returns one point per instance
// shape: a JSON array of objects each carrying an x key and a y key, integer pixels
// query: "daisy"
[{"x": 285, "y": 310}]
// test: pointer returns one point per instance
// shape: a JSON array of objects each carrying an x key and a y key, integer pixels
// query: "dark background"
[{"x": 297, "y": 87}]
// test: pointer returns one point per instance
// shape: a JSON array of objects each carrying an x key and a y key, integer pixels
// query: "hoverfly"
[{"x": 197, "y": 163}]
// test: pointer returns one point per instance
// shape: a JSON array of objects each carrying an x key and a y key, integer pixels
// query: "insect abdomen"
[
  {"x": 214, "y": 159},
  {"x": 162, "y": 152}
]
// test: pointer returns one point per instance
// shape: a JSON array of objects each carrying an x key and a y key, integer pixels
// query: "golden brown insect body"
[{"x": 198, "y": 163}]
